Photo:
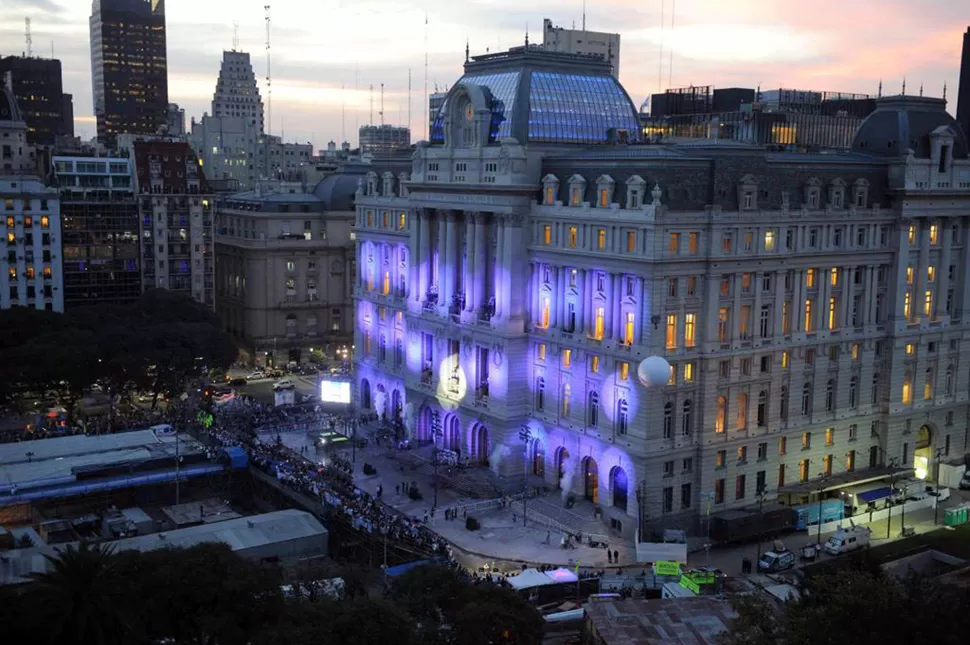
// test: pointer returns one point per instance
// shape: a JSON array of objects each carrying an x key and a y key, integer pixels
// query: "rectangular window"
[
  {"x": 769, "y": 240},
  {"x": 785, "y": 360},
  {"x": 723, "y": 317},
  {"x": 719, "y": 491},
  {"x": 685, "y": 496},
  {"x": 547, "y": 234},
  {"x": 810, "y": 278},
  {"x": 693, "y": 241},
  {"x": 762, "y": 451},
  {"x": 567, "y": 358},
  {"x": 673, "y": 244},
  {"x": 624, "y": 371},
  {"x": 573, "y": 237},
  {"x": 631, "y": 241},
  {"x": 628, "y": 328},
  {"x": 740, "y": 484},
  {"x": 599, "y": 323},
  {"x": 934, "y": 234},
  {"x": 720, "y": 460},
  {"x": 781, "y": 475},
  {"x": 829, "y": 436},
  {"x": 671, "y": 331},
  {"x": 601, "y": 239},
  {"x": 594, "y": 364},
  {"x": 689, "y": 329},
  {"x": 806, "y": 440},
  {"x": 726, "y": 243},
  {"x": 808, "y": 315},
  {"x": 783, "y": 445},
  {"x": 604, "y": 197},
  {"x": 688, "y": 372}
]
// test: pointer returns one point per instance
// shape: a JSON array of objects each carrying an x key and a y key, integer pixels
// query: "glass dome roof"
[{"x": 555, "y": 106}]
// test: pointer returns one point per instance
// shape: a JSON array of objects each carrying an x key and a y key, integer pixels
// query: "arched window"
[
  {"x": 720, "y": 413},
  {"x": 540, "y": 393},
  {"x": 566, "y": 394},
  {"x": 622, "y": 420},
  {"x": 593, "y": 405},
  {"x": 853, "y": 391},
  {"x": 806, "y": 399},
  {"x": 668, "y": 420},
  {"x": 762, "y": 409},
  {"x": 685, "y": 421},
  {"x": 783, "y": 407},
  {"x": 830, "y": 396}
]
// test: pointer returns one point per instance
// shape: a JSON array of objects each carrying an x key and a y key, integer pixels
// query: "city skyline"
[{"x": 763, "y": 44}]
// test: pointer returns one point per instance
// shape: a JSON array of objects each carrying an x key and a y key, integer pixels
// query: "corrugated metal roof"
[{"x": 76, "y": 445}]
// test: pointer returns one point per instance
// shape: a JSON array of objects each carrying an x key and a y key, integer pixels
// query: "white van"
[{"x": 848, "y": 539}]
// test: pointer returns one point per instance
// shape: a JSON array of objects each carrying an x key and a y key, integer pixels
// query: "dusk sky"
[{"x": 838, "y": 45}]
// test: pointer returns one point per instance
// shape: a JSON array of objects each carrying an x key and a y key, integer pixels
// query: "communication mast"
[
  {"x": 235, "y": 36},
  {"x": 269, "y": 75},
  {"x": 382, "y": 104},
  {"x": 30, "y": 41}
]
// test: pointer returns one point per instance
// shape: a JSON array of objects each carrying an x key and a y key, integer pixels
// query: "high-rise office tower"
[
  {"x": 128, "y": 67},
  {"x": 963, "y": 97},
  {"x": 36, "y": 82},
  {"x": 236, "y": 92}
]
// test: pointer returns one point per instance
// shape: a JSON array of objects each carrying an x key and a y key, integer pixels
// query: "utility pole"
[
  {"x": 893, "y": 464},
  {"x": 936, "y": 506},
  {"x": 525, "y": 434}
]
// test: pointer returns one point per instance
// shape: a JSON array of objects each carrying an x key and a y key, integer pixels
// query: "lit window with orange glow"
[
  {"x": 604, "y": 198},
  {"x": 594, "y": 364},
  {"x": 567, "y": 358},
  {"x": 624, "y": 371},
  {"x": 541, "y": 351},
  {"x": 601, "y": 239},
  {"x": 907, "y": 305},
  {"x": 688, "y": 372},
  {"x": 909, "y": 274},
  {"x": 808, "y": 315},
  {"x": 928, "y": 303},
  {"x": 720, "y": 412},
  {"x": 907, "y": 394},
  {"x": 631, "y": 241},
  {"x": 672, "y": 379},
  {"x": 930, "y": 273},
  {"x": 671, "y": 336},
  {"x": 599, "y": 323},
  {"x": 834, "y": 277},
  {"x": 544, "y": 313},
  {"x": 912, "y": 233},
  {"x": 690, "y": 329},
  {"x": 628, "y": 328},
  {"x": 573, "y": 237},
  {"x": 547, "y": 234},
  {"x": 934, "y": 234},
  {"x": 833, "y": 314}
]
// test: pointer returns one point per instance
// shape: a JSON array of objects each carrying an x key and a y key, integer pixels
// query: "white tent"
[
  {"x": 528, "y": 579},
  {"x": 561, "y": 575}
]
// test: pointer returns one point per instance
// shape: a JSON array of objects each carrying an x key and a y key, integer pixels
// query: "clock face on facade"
[{"x": 469, "y": 112}]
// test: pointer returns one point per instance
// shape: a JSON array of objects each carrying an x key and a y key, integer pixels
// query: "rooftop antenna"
[
  {"x": 660, "y": 73},
  {"x": 921, "y": 89},
  {"x": 527, "y": 35},
  {"x": 879, "y": 96},
  {"x": 467, "y": 50},
  {"x": 235, "y": 36},
  {"x": 673, "y": 16},
  {"x": 30, "y": 41},
  {"x": 382, "y": 105},
  {"x": 269, "y": 76},
  {"x": 904, "y": 86},
  {"x": 426, "y": 106},
  {"x": 944, "y": 90},
  {"x": 371, "y": 120},
  {"x": 343, "y": 114},
  {"x": 584, "y": 15}
]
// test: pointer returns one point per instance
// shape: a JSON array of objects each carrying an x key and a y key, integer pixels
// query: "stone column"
[
  {"x": 423, "y": 260},
  {"x": 797, "y": 313},
  {"x": 468, "y": 281},
  {"x": 479, "y": 269},
  {"x": 451, "y": 255},
  {"x": 872, "y": 273},
  {"x": 582, "y": 306},
  {"x": 848, "y": 295},
  {"x": 943, "y": 274},
  {"x": 756, "y": 309},
  {"x": 439, "y": 263},
  {"x": 963, "y": 304},
  {"x": 923, "y": 263},
  {"x": 361, "y": 264},
  {"x": 824, "y": 294},
  {"x": 512, "y": 262},
  {"x": 735, "y": 308},
  {"x": 589, "y": 310},
  {"x": 556, "y": 321},
  {"x": 779, "y": 304},
  {"x": 612, "y": 305}
]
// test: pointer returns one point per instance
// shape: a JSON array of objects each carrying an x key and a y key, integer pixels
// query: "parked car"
[
  {"x": 776, "y": 561},
  {"x": 849, "y": 539},
  {"x": 237, "y": 381},
  {"x": 274, "y": 373},
  {"x": 258, "y": 374},
  {"x": 285, "y": 384}
]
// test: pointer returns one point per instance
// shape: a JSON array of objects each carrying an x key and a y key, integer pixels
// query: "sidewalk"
[{"x": 501, "y": 538}]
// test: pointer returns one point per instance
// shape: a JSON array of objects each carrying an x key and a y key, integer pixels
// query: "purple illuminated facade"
[{"x": 533, "y": 257}]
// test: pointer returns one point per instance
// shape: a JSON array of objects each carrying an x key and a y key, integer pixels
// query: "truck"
[
  {"x": 848, "y": 539},
  {"x": 747, "y": 524},
  {"x": 775, "y": 561},
  {"x": 807, "y": 514}
]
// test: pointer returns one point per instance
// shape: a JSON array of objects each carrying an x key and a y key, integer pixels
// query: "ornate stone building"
[{"x": 814, "y": 308}]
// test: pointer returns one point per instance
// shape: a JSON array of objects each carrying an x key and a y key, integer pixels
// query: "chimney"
[{"x": 963, "y": 92}]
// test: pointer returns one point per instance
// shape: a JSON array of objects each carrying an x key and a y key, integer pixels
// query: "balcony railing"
[{"x": 427, "y": 376}]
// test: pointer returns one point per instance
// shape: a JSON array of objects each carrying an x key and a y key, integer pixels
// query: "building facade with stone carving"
[{"x": 814, "y": 308}]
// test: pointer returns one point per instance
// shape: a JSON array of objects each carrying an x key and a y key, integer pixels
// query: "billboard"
[{"x": 335, "y": 392}]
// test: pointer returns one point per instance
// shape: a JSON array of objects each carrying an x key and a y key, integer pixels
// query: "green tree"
[
  {"x": 494, "y": 615},
  {"x": 862, "y": 606},
  {"x": 76, "y": 601}
]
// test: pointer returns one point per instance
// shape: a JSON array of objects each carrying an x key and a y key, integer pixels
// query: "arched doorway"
[
  {"x": 481, "y": 449},
  {"x": 424, "y": 423},
  {"x": 591, "y": 480},
  {"x": 538, "y": 459},
  {"x": 396, "y": 407},
  {"x": 365, "y": 398},
  {"x": 562, "y": 456},
  {"x": 923, "y": 455},
  {"x": 380, "y": 400},
  {"x": 618, "y": 483},
  {"x": 453, "y": 435}
]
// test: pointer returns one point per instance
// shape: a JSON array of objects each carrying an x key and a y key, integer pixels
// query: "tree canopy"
[
  {"x": 155, "y": 344},
  {"x": 208, "y": 595},
  {"x": 859, "y": 605}
]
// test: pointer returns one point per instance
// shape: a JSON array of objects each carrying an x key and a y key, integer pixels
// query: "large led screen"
[{"x": 335, "y": 392}]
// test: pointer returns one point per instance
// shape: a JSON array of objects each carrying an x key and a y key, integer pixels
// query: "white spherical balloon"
[{"x": 653, "y": 371}]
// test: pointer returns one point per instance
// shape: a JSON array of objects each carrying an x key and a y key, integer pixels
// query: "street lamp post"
[
  {"x": 353, "y": 440},
  {"x": 761, "y": 494},
  {"x": 436, "y": 434},
  {"x": 525, "y": 434},
  {"x": 893, "y": 464},
  {"x": 821, "y": 489},
  {"x": 936, "y": 506}
]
